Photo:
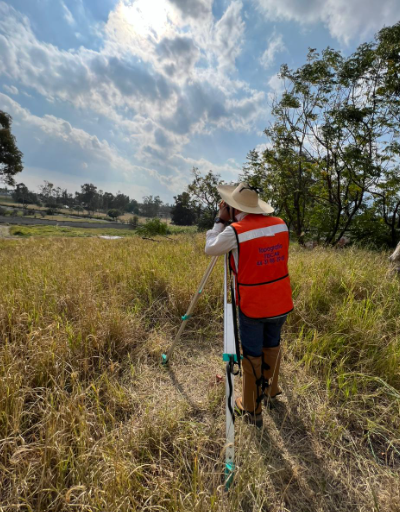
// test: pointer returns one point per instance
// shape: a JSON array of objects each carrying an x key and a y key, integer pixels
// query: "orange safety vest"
[{"x": 262, "y": 279}]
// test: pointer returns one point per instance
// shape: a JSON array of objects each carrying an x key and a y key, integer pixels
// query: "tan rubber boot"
[
  {"x": 272, "y": 358},
  {"x": 249, "y": 404}
]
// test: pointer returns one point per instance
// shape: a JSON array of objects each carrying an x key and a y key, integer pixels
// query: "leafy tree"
[
  {"x": 22, "y": 195},
  {"x": 150, "y": 206},
  {"x": 133, "y": 206},
  {"x": 368, "y": 227},
  {"x": 203, "y": 191},
  {"x": 89, "y": 197},
  {"x": 333, "y": 143},
  {"x": 10, "y": 155},
  {"x": 183, "y": 213},
  {"x": 114, "y": 213},
  {"x": 205, "y": 197},
  {"x": 387, "y": 203},
  {"x": 47, "y": 193},
  {"x": 64, "y": 198},
  {"x": 107, "y": 201},
  {"x": 165, "y": 210},
  {"x": 121, "y": 202}
]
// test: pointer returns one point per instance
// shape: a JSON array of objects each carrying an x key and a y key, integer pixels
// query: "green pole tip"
[
  {"x": 186, "y": 317},
  {"x": 164, "y": 359},
  {"x": 229, "y": 473}
]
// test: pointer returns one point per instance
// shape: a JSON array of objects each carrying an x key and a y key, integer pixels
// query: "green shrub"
[
  {"x": 134, "y": 222},
  {"x": 206, "y": 221},
  {"x": 114, "y": 213},
  {"x": 18, "y": 232},
  {"x": 153, "y": 227}
]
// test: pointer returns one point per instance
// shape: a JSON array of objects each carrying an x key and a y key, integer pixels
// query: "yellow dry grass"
[{"x": 90, "y": 421}]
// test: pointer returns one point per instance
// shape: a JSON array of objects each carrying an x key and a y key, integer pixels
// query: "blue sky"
[{"x": 131, "y": 94}]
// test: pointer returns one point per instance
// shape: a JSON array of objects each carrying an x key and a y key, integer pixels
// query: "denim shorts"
[{"x": 258, "y": 333}]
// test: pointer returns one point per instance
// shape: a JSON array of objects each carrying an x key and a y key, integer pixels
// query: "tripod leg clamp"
[{"x": 229, "y": 474}]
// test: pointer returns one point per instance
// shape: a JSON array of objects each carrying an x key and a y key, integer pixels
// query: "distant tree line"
[{"x": 90, "y": 199}]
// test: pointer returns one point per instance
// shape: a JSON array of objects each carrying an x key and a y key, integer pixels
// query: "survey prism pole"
[
  {"x": 230, "y": 357},
  {"x": 188, "y": 314}
]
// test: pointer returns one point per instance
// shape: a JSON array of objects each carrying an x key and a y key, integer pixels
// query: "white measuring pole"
[{"x": 229, "y": 355}]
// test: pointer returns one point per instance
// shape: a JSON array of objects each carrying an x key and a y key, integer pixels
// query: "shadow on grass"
[
  {"x": 299, "y": 476},
  {"x": 181, "y": 390}
]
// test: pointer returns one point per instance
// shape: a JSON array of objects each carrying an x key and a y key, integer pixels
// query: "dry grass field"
[{"x": 90, "y": 420}]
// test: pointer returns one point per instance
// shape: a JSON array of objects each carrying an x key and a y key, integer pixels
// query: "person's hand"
[{"x": 224, "y": 213}]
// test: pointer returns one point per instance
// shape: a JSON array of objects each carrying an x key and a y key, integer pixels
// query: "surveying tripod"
[{"x": 230, "y": 356}]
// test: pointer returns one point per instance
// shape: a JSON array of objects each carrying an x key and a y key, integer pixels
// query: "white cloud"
[
  {"x": 246, "y": 110},
  {"x": 68, "y": 15},
  {"x": 275, "y": 46},
  {"x": 229, "y": 171},
  {"x": 65, "y": 154},
  {"x": 194, "y": 8},
  {"x": 345, "y": 19},
  {"x": 166, "y": 71},
  {"x": 56, "y": 140},
  {"x": 147, "y": 70},
  {"x": 229, "y": 32},
  {"x": 276, "y": 84},
  {"x": 178, "y": 56},
  {"x": 11, "y": 89}
]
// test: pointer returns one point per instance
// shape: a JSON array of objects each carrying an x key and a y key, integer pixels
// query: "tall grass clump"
[
  {"x": 346, "y": 328},
  {"x": 347, "y": 312},
  {"x": 89, "y": 420}
]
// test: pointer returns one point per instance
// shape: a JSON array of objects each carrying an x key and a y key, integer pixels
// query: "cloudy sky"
[{"x": 131, "y": 94}]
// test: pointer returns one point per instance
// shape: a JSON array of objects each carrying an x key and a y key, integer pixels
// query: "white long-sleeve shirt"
[{"x": 222, "y": 239}]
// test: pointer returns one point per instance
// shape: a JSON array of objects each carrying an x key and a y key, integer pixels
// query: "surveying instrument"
[{"x": 231, "y": 356}]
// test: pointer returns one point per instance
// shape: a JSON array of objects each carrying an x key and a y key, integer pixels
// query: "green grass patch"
[
  {"x": 66, "y": 231},
  {"x": 68, "y": 218}
]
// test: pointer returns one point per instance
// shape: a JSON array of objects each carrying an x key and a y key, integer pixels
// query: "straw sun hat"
[{"x": 244, "y": 198}]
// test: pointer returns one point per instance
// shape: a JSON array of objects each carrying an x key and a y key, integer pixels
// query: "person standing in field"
[{"x": 258, "y": 246}]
